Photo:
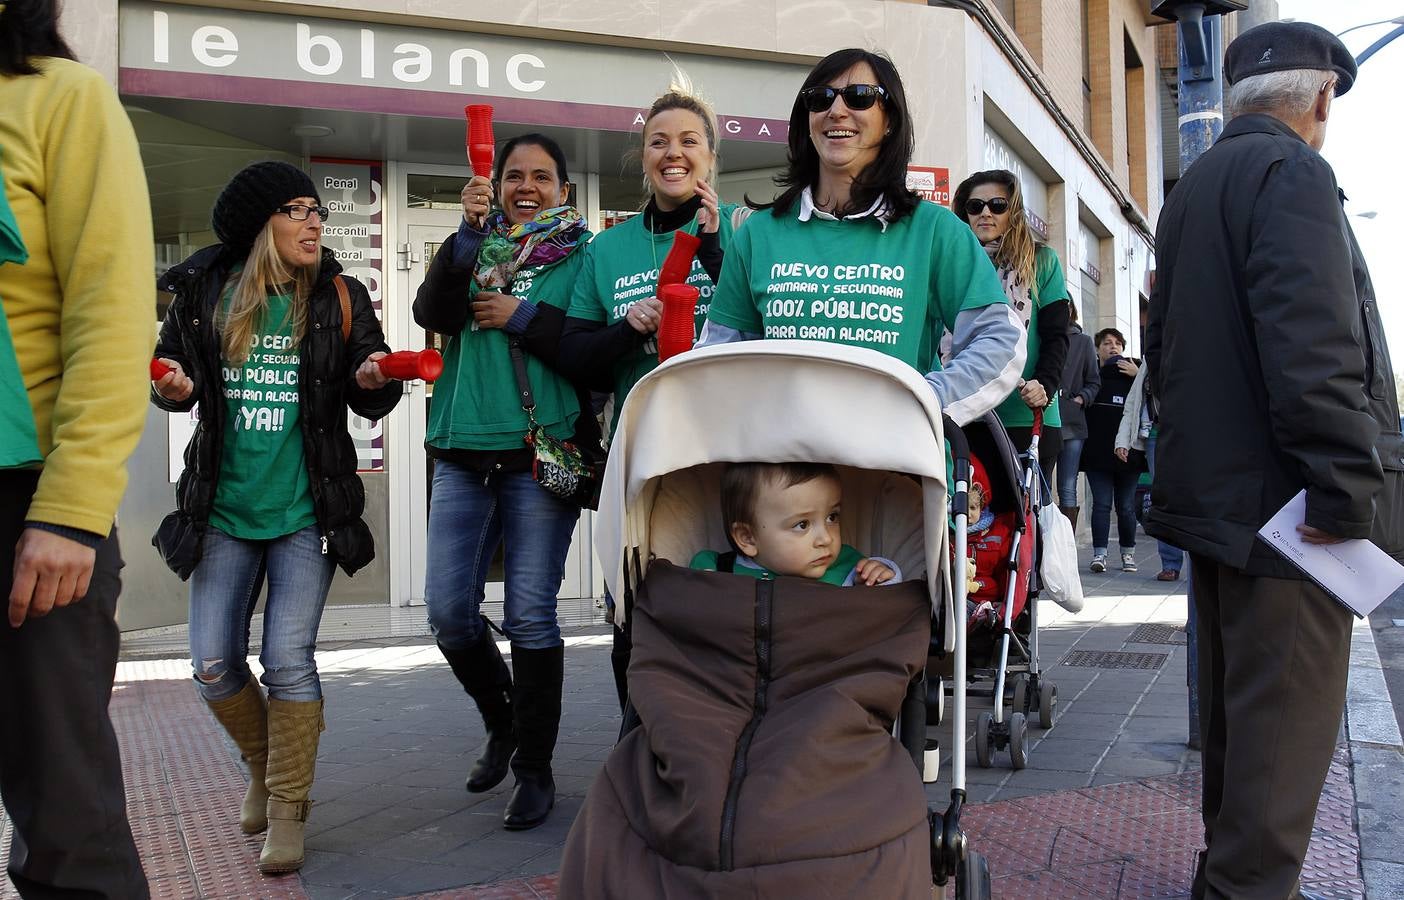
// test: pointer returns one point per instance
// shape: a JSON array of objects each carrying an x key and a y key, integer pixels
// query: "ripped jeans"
[{"x": 223, "y": 592}]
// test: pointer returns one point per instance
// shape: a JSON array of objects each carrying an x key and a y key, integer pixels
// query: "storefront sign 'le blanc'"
[{"x": 273, "y": 59}]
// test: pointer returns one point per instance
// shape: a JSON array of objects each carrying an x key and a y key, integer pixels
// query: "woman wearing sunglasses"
[
  {"x": 1034, "y": 284},
  {"x": 257, "y": 336},
  {"x": 848, "y": 254}
]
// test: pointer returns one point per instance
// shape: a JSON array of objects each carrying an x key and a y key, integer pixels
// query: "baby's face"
[
  {"x": 975, "y": 502},
  {"x": 796, "y": 531}
]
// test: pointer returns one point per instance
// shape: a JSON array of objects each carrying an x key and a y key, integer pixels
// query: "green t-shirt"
[
  {"x": 851, "y": 282},
  {"x": 263, "y": 489},
  {"x": 475, "y": 405},
  {"x": 621, "y": 267},
  {"x": 1050, "y": 286},
  {"x": 836, "y": 573},
  {"x": 19, "y": 443}
]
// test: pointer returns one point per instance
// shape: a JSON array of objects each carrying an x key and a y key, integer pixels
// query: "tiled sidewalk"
[{"x": 1106, "y": 808}]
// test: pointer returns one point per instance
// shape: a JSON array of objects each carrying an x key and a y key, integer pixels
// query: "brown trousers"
[{"x": 1273, "y": 658}]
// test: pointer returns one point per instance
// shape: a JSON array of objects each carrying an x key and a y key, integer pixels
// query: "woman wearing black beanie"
[{"x": 273, "y": 344}]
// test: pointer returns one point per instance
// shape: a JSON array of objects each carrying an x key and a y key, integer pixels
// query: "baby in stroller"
[
  {"x": 783, "y": 519},
  {"x": 762, "y": 761}
]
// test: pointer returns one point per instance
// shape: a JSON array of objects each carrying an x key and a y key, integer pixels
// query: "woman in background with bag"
[
  {"x": 274, "y": 344},
  {"x": 498, "y": 289}
]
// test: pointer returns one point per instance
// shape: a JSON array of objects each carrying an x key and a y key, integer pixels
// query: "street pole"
[{"x": 1200, "y": 76}]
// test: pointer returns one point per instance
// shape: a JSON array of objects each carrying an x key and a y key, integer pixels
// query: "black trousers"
[
  {"x": 1273, "y": 658},
  {"x": 60, "y": 773}
]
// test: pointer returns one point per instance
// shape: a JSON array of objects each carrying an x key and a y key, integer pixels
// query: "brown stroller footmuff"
[{"x": 764, "y": 765}]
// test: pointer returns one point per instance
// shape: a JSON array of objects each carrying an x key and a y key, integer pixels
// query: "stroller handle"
[{"x": 960, "y": 447}]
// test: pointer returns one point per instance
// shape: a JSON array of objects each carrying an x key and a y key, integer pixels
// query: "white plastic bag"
[{"x": 1061, "y": 582}]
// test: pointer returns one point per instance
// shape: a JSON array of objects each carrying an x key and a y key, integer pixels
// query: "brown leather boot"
[
  {"x": 294, "y": 729},
  {"x": 245, "y": 718},
  {"x": 1071, "y": 513}
]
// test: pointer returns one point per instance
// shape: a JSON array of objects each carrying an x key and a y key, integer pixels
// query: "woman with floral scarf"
[
  {"x": 1033, "y": 281},
  {"x": 504, "y": 278}
]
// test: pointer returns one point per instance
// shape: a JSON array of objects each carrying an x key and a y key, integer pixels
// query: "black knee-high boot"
[
  {"x": 536, "y": 710},
  {"x": 483, "y": 673}
]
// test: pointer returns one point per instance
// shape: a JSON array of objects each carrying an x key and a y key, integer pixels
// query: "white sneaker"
[
  {"x": 1099, "y": 563},
  {"x": 1128, "y": 560}
]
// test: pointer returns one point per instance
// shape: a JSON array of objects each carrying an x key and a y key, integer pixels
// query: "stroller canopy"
[{"x": 776, "y": 401}]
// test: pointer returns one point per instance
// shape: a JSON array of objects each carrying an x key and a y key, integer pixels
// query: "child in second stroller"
[
  {"x": 988, "y": 547},
  {"x": 783, "y": 519}
]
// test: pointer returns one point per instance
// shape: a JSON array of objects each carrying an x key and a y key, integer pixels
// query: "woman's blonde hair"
[
  {"x": 264, "y": 271},
  {"x": 1018, "y": 246},
  {"x": 680, "y": 95}
]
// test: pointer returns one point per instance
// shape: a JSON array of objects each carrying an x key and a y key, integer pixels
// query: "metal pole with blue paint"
[{"x": 1200, "y": 78}]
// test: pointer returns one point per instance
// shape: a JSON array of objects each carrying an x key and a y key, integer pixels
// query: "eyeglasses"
[
  {"x": 299, "y": 213},
  {"x": 998, "y": 205},
  {"x": 819, "y": 98}
]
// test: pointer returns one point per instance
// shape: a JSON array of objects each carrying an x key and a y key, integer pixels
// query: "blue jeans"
[
  {"x": 470, "y": 514},
  {"x": 223, "y": 591},
  {"x": 1171, "y": 557},
  {"x": 1068, "y": 460},
  {"x": 1106, "y": 488}
]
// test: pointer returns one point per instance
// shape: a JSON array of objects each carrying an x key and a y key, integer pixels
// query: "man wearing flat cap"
[{"x": 1268, "y": 356}]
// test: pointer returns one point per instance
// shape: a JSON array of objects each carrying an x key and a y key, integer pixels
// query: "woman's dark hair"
[
  {"x": 532, "y": 139},
  {"x": 1114, "y": 333},
  {"x": 29, "y": 29},
  {"x": 885, "y": 177}
]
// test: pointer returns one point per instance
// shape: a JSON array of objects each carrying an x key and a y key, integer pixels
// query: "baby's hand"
[{"x": 871, "y": 572}]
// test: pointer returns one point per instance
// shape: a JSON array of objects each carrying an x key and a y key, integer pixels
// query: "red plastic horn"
[
  {"x": 409, "y": 364},
  {"x": 480, "y": 142},
  {"x": 678, "y": 265},
  {"x": 679, "y": 310},
  {"x": 159, "y": 370}
]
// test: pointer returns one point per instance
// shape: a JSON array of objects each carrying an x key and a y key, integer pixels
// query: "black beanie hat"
[{"x": 253, "y": 195}]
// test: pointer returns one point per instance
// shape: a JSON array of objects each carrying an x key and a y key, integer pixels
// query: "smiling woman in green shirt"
[
  {"x": 505, "y": 279},
  {"x": 848, "y": 254}
]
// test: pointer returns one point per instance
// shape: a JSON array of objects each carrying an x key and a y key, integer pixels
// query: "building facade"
[{"x": 369, "y": 96}]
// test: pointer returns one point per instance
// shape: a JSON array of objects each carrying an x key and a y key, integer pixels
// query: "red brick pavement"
[{"x": 1122, "y": 841}]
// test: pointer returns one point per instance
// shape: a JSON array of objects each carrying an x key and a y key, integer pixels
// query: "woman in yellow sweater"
[{"x": 75, "y": 285}]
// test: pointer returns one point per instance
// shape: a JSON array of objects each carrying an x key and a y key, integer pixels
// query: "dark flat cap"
[{"x": 1281, "y": 46}]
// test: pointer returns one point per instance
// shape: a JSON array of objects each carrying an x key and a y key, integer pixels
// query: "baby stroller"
[
  {"x": 1004, "y": 659},
  {"x": 779, "y": 720}
]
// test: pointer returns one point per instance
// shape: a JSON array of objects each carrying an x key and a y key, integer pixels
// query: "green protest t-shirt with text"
[
  {"x": 1050, "y": 286},
  {"x": 475, "y": 404},
  {"x": 851, "y": 282},
  {"x": 263, "y": 490},
  {"x": 621, "y": 268}
]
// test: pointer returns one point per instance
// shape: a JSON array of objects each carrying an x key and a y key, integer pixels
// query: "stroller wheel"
[
  {"x": 973, "y": 880},
  {"x": 935, "y": 700},
  {"x": 1021, "y": 693},
  {"x": 984, "y": 744},
  {"x": 1047, "y": 703},
  {"x": 1018, "y": 740}
]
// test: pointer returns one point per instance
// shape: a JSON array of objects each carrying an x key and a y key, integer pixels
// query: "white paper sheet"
[{"x": 1356, "y": 573}]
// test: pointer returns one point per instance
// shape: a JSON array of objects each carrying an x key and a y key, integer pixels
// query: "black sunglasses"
[
  {"x": 299, "y": 213},
  {"x": 998, "y": 205},
  {"x": 819, "y": 98}
]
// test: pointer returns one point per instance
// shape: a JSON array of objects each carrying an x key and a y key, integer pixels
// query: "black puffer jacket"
[{"x": 326, "y": 387}]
